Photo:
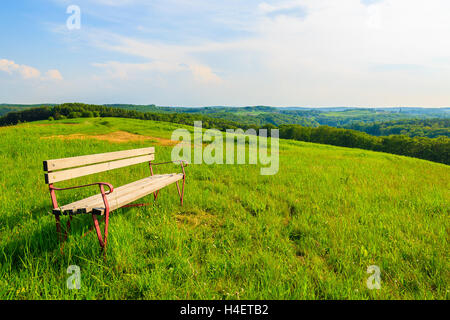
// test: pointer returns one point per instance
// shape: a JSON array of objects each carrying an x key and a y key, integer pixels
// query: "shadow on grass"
[
  {"x": 10, "y": 221},
  {"x": 24, "y": 248}
]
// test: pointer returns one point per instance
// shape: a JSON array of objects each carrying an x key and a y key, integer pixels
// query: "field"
[{"x": 309, "y": 232}]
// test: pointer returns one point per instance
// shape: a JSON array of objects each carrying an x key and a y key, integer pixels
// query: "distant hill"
[
  {"x": 412, "y": 122},
  {"x": 332, "y": 116},
  {"x": 437, "y": 149}
]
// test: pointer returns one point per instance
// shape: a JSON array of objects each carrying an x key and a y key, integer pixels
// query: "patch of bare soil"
[
  {"x": 53, "y": 124},
  {"x": 116, "y": 137}
]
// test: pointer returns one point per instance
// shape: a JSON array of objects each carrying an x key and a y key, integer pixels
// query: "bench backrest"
[{"x": 75, "y": 167}]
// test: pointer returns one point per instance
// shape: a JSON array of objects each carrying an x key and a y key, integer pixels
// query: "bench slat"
[
  {"x": 122, "y": 200},
  {"x": 58, "y": 176},
  {"x": 58, "y": 164}
]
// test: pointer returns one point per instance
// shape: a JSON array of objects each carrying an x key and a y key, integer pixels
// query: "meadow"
[{"x": 309, "y": 232}]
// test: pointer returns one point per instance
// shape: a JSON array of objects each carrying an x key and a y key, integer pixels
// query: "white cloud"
[
  {"x": 163, "y": 58},
  {"x": 27, "y": 72},
  {"x": 204, "y": 74},
  {"x": 53, "y": 75},
  {"x": 127, "y": 71}
]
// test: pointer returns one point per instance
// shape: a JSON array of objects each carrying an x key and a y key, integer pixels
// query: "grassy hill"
[{"x": 309, "y": 232}]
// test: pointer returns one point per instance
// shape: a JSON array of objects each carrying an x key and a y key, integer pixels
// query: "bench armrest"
[
  {"x": 101, "y": 184},
  {"x": 182, "y": 162}
]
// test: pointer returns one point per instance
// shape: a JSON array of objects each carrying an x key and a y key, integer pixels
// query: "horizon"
[
  {"x": 232, "y": 106},
  {"x": 284, "y": 53}
]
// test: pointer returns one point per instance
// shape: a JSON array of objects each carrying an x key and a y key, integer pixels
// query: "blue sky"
[{"x": 206, "y": 52}]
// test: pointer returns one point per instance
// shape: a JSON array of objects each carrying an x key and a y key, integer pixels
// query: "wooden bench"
[{"x": 106, "y": 201}]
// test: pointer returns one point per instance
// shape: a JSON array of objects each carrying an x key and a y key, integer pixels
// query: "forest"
[
  {"x": 431, "y": 128},
  {"x": 310, "y": 117},
  {"x": 433, "y": 149}
]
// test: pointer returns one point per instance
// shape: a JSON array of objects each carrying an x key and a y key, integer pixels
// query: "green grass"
[{"x": 309, "y": 232}]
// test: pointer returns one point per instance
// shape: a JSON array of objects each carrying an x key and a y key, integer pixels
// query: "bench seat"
[{"x": 120, "y": 197}]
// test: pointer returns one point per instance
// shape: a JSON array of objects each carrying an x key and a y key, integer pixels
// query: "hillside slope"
[{"x": 308, "y": 232}]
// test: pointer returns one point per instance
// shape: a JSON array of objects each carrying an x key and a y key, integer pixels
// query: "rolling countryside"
[{"x": 308, "y": 232}]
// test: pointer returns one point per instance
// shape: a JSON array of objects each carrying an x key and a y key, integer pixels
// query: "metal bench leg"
[
  {"x": 59, "y": 231},
  {"x": 102, "y": 240},
  {"x": 58, "y": 227},
  {"x": 97, "y": 229},
  {"x": 106, "y": 230},
  {"x": 68, "y": 226},
  {"x": 155, "y": 194},
  {"x": 184, "y": 181},
  {"x": 180, "y": 193},
  {"x": 57, "y": 216}
]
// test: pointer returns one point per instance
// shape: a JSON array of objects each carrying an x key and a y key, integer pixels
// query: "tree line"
[
  {"x": 80, "y": 110},
  {"x": 433, "y": 149},
  {"x": 431, "y": 128}
]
